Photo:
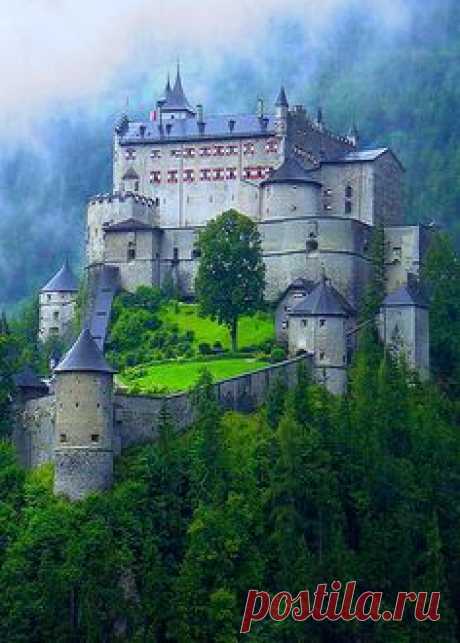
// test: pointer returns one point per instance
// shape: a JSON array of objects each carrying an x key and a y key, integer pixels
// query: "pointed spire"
[
  {"x": 175, "y": 99},
  {"x": 84, "y": 356},
  {"x": 168, "y": 86},
  {"x": 282, "y": 101},
  {"x": 63, "y": 281}
]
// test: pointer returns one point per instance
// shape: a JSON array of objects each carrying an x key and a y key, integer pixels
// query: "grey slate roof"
[
  {"x": 290, "y": 171},
  {"x": 364, "y": 156},
  {"x": 406, "y": 295},
  {"x": 246, "y": 125},
  {"x": 298, "y": 284},
  {"x": 175, "y": 98},
  {"x": 130, "y": 174},
  {"x": 282, "y": 100},
  {"x": 324, "y": 300},
  {"x": 63, "y": 281},
  {"x": 27, "y": 378},
  {"x": 84, "y": 356},
  {"x": 127, "y": 225}
]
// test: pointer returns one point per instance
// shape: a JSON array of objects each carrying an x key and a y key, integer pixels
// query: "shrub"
[
  {"x": 204, "y": 348},
  {"x": 278, "y": 354}
]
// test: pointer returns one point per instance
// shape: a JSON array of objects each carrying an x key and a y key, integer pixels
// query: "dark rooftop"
[
  {"x": 325, "y": 300},
  {"x": 217, "y": 126},
  {"x": 407, "y": 295},
  {"x": 63, "y": 281},
  {"x": 282, "y": 100},
  {"x": 175, "y": 99},
  {"x": 27, "y": 378},
  {"x": 84, "y": 356},
  {"x": 290, "y": 171}
]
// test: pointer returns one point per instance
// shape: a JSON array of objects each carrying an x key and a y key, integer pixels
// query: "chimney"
[
  {"x": 260, "y": 107},
  {"x": 231, "y": 124}
]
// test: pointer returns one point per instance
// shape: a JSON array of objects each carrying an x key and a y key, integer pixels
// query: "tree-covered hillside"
[{"x": 310, "y": 489}]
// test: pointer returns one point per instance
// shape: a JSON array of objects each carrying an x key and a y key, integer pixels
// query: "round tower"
[
  {"x": 57, "y": 303},
  {"x": 84, "y": 421},
  {"x": 290, "y": 192}
]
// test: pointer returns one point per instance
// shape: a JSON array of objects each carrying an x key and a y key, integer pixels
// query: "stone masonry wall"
[{"x": 136, "y": 417}]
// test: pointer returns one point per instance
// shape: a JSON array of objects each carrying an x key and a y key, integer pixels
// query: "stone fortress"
[{"x": 316, "y": 197}]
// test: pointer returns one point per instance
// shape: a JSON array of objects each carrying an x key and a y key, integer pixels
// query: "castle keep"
[{"x": 316, "y": 198}]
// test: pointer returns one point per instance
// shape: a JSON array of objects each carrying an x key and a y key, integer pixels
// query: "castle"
[{"x": 316, "y": 198}]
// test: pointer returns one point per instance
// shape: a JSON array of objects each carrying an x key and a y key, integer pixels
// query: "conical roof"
[
  {"x": 84, "y": 356},
  {"x": 282, "y": 100},
  {"x": 175, "y": 100},
  {"x": 166, "y": 93},
  {"x": 63, "y": 281},
  {"x": 290, "y": 171},
  {"x": 406, "y": 295},
  {"x": 324, "y": 300}
]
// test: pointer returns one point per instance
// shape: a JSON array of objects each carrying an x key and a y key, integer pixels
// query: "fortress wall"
[
  {"x": 144, "y": 269},
  {"x": 33, "y": 434},
  {"x": 113, "y": 208},
  {"x": 336, "y": 177},
  {"x": 304, "y": 134},
  {"x": 136, "y": 417},
  {"x": 288, "y": 200},
  {"x": 342, "y": 244}
]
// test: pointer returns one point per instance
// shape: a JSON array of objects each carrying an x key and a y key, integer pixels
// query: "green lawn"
[
  {"x": 179, "y": 376},
  {"x": 252, "y": 331}
]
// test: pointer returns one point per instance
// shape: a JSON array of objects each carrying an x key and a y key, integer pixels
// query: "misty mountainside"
[{"x": 401, "y": 86}]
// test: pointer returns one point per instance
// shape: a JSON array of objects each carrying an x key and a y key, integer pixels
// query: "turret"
[
  {"x": 281, "y": 113},
  {"x": 404, "y": 326},
  {"x": 317, "y": 325},
  {"x": 290, "y": 192},
  {"x": 84, "y": 421},
  {"x": 57, "y": 302},
  {"x": 176, "y": 104}
]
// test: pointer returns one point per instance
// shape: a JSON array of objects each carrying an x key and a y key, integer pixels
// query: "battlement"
[{"x": 121, "y": 197}]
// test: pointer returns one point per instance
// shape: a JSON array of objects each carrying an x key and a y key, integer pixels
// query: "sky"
[{"x": 67, "y": 53}]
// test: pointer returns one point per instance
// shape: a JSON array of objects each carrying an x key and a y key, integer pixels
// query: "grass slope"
[
  {"x": 179, "y": 376},
  {"x": 252, "y": 331}
]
